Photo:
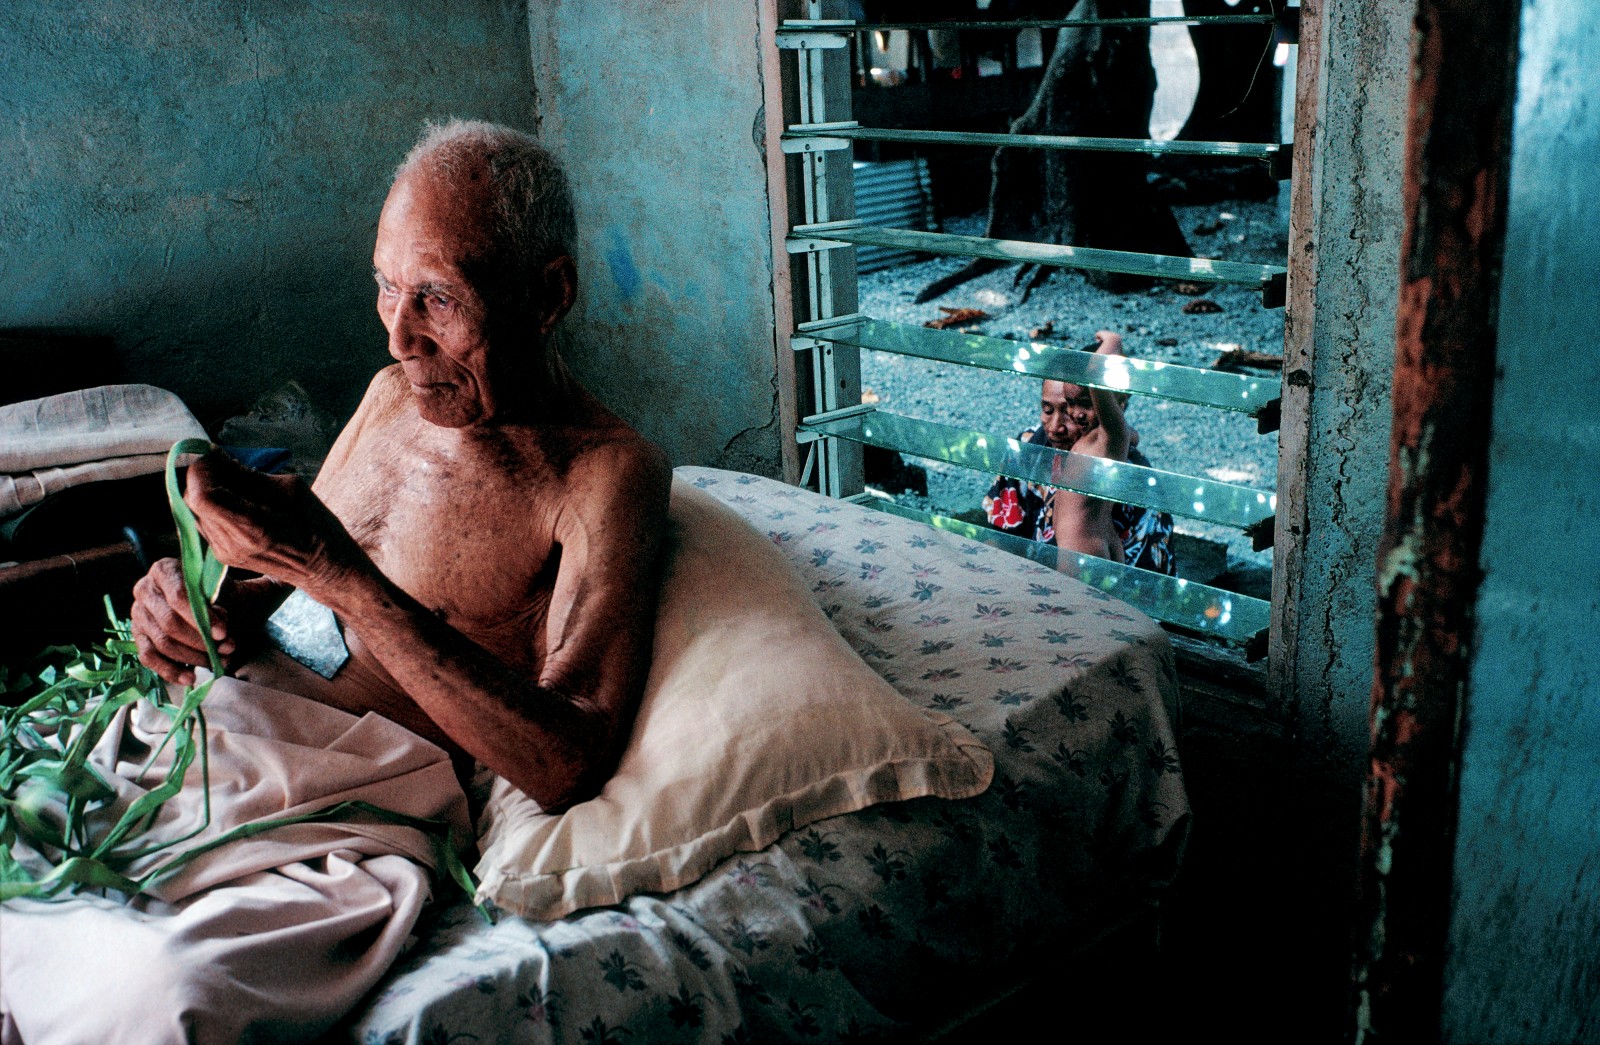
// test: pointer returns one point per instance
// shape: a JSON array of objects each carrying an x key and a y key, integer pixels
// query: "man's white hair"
[{"x": 530, "y": 200}]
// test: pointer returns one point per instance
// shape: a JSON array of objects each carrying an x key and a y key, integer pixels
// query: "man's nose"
[{"x": 406, "y": 338}]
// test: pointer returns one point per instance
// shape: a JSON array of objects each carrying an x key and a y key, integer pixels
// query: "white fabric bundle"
[{"x": 108, "y": 432}]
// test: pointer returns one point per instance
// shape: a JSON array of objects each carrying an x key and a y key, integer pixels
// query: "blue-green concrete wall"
[
  {"x": 658, "y": 116},
  {"x": 1524, "y": 960},
  {"x": 201, "y": 179}
]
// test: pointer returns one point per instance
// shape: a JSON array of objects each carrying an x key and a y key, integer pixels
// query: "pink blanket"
[{"x": 275, "y": 936}]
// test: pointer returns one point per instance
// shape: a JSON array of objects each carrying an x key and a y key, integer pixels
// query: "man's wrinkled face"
[
  {"x": 1066, "y": 413},
  {"x": 437, "y": 320}
]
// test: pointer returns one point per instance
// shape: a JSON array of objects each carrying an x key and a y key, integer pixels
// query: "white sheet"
[{"x": 281, "y": 933}]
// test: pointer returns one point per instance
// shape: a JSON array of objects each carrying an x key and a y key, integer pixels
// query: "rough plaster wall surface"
[
  {"x": 1360, "y": 152},
  {"x": 658, "y": 118},
  {"x": 201, "y": 179},
  {"x": 1523, "y": 964}
]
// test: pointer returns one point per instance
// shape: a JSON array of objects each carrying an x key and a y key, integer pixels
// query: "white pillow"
[{"x": 757, "y": 719}]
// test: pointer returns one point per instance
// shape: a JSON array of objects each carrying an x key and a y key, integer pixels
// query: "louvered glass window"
[{"x": 892, "y": 219}]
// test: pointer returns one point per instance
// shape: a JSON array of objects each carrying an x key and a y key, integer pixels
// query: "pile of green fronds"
[{"x": 56, "y": 803}]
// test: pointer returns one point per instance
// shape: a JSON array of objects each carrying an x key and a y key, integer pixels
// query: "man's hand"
[
  {"x": 164, "y": 629},
  {"x": 271, "y": 524}
]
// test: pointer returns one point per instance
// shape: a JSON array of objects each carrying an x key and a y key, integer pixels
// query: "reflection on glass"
[
  {"x": 1236, "y": 392},
  {"x": 1159, "y": 266},
  {"x": 1187, "y": 606},
  {"x": 1254, "y": 150},
  {"x": 1222, "y": 503}
]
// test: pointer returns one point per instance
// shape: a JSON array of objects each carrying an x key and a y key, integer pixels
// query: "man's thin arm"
[
  {"x": 251, "y": 601},
  {"x": 553, "y": 737},
  {"x": 540, "y": 740}
]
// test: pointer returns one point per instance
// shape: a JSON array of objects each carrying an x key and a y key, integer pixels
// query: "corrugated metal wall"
[{"x": 894, "y": 194}]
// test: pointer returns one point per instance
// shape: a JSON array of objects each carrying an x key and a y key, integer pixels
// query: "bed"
[{"x": 889, "y": 921}]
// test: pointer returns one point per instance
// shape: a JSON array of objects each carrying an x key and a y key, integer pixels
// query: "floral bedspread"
[{"x": 862, "y": 926}]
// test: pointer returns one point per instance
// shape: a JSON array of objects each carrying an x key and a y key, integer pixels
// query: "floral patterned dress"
[{"x": 1024, "y": 509}]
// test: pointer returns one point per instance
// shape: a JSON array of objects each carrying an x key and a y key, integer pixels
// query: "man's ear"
[{"x": 558, "y": 289}]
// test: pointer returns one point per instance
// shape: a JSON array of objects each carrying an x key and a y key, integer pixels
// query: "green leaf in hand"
[{"x": 203, "y": 574}]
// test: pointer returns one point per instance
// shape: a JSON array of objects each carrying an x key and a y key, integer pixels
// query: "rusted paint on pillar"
[{"x": 1457, "y": 157}]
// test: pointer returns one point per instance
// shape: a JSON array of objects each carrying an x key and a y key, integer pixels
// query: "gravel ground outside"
[{"x": 1175, "y": 436}]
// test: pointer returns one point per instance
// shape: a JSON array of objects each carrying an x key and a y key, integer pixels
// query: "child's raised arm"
[
  {"x": 1083, "y": 523},
  {"x": 1111, "y": 437}
]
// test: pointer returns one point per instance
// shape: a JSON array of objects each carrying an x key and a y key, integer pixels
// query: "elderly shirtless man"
[
  {"x": 487, "y": 535},
  {"x": 484, "y": 529}
]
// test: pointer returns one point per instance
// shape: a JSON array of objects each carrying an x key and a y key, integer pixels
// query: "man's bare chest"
[{"x": 470, "y": 539}]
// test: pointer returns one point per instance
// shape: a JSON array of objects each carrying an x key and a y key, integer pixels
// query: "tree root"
[
  {"x": 1041, "y": 275},
  {"x": 966, "y": 274}
]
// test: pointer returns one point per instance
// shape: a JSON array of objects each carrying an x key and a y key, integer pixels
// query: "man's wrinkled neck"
[{"x": 549, "y": 395}]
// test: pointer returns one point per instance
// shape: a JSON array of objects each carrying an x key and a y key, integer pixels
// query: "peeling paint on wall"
[
  {"x": 1523, "y": 963},
  {"x": 1456, "y": 159}
]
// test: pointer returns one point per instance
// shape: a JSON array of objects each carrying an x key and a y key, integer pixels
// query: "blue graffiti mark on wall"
[{"x": 620, "y": 260}]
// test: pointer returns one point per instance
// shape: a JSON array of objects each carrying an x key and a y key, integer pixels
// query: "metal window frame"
[{"x": 825, "y": 281}]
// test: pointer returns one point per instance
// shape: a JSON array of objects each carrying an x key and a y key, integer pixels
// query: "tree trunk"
[
  {"x": 1099, "y": 83},
  {"x": 1237, "y": 100}
]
